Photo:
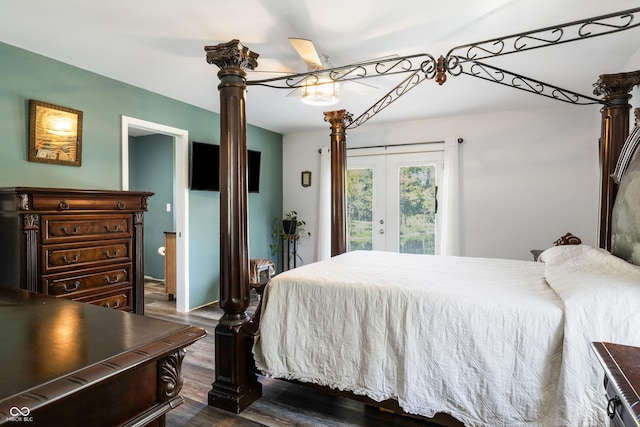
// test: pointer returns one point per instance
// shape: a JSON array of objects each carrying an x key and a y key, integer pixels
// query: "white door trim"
[{"x": 180, "y": 196}]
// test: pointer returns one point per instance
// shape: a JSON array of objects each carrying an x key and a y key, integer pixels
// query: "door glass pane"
[
  {"x": 417, "y": 192},
  {"x": 360, "y": 209}
]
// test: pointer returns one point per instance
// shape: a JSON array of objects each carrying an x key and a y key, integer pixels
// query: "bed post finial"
[
  {"x": 236, "y": 385},
  {"x": 616, "y": 90},
  {"x": 339, "y": 120}
]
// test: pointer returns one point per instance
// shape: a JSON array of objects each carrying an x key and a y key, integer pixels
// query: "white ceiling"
[{"x": 159, "y": 45}]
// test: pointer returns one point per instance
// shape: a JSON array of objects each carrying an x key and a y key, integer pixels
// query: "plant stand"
[{"x": 289, "y": 252}]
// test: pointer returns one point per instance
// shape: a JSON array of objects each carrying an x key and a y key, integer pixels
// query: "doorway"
[
  {"x": 136, "y": 127},
  {"x": 392, "y": 201}
]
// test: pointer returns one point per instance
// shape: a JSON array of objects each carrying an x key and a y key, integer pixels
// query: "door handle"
[{"x": 435, "y": 196}]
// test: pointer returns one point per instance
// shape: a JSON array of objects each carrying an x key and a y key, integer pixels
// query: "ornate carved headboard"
[{"x": 625, "y": 218}]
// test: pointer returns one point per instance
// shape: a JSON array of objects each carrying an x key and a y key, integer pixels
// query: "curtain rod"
[{"x": 460, "y": 141}]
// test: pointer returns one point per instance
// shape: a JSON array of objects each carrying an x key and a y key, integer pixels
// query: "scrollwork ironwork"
[
  {"x": 428, "y": 70},
  {"x": 527, "y": 84},
  {"x": 363, "y": 70},
  {"x": 464, "y": 59},
  {"x": 549, "y": 36}
]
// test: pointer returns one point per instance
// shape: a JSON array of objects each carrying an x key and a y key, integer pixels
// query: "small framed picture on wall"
[{"x": 306, "y": 178}]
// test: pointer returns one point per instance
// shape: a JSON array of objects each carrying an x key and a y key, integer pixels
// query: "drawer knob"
[
  {"x": 611, "y": 406},
  {"x": 75, "y": 287},
  {"x": 75, "y": 258}
]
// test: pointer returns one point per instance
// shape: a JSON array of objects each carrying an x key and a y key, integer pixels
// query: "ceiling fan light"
[{"x": 321, "y": 93}]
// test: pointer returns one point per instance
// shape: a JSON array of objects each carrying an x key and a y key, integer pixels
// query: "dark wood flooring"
[{"x": 282, "y": 403}]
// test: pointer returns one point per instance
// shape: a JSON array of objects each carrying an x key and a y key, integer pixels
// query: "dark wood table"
[
  {"x": 74, "y": 364},
  {"x": 621, "y": 365}
]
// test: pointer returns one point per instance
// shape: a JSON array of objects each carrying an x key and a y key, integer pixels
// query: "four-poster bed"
[{"x": 236, "y": 384}]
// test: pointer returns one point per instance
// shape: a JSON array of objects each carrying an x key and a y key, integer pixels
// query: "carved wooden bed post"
[
  {"x": 236, "y": 386},
  {"x": 338, "y": 120},
  {"x": 616, "y": 90}
]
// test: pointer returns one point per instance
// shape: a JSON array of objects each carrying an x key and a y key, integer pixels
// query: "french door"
[{"x": 392, "y": 201}]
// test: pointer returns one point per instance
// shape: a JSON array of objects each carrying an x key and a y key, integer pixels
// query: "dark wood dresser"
[
  {"x": 85, "y": 245},
  {"x": 621, "y": 365},
  {"x": 70, "y": 364}
]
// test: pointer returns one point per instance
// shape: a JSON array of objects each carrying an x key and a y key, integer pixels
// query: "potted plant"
[
  {"x": 290, "y": 223},
  {"x": 288, "y": 227}
]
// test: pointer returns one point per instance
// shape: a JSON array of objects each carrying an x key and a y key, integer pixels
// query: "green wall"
[
  {"x": 151, "y": 169},
  {"x": 25, "y": 75}
]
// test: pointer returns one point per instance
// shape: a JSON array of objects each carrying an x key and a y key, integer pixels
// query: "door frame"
[{"x": 180, "y": 194}]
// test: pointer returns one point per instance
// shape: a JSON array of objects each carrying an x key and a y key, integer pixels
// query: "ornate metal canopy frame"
[
  {"x": 236, "y": 384},
  {"x": 469, "y": 60}
]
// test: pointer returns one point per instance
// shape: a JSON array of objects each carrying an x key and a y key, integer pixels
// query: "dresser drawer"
[
  {"x": 119, "y": 299},
  {"x": 59, "y": 258},
  {"x": 88, "y": 201},
  {"x": 70, "y": 228},
  {"x": 80, "y": 281}
]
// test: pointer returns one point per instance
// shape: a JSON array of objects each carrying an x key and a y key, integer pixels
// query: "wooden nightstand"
[{"x": 621, "y": 365}]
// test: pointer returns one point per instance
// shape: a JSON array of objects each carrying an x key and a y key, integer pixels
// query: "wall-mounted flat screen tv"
[{"x": 205, "y": 168}]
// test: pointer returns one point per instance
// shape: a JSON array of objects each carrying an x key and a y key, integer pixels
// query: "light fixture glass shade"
[{"x": 320, "y": 92}]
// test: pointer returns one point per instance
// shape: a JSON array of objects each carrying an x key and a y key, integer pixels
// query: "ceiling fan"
[{"x": 320, "y": 90}]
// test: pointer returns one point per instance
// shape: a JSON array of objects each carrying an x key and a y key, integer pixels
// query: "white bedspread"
[
  {"x": 601, "y": 295},
  {"x": 484, "y": 340}
]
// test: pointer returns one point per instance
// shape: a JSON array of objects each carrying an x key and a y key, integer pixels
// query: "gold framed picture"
[{"x": 55, "y": 134}]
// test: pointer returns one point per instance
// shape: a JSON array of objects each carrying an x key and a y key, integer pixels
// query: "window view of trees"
[
  {"x": 360, "y": 209},
  {"x": 418, "y": 209}
]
